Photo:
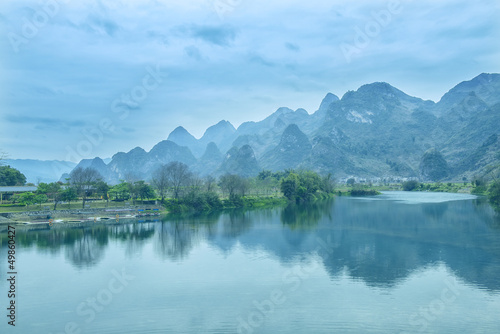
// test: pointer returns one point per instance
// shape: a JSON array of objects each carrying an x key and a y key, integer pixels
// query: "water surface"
[{"x": 398, "y": 263}]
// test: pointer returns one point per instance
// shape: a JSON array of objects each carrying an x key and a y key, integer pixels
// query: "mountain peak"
[
  {"x": 329, "y": 99},
  {"x": 378, "y": 87},
  {"x": 179, "y": 132},
  {"x": 136, "y": 150}
]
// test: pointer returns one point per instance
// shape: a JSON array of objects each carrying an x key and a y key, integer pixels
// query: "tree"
[
  {"x": 289, "y": 186},
  {"x": 39, "y": 199},
  {"x": 210, "y": 184},
  {"x": 328, "y": 183},
  {"x": 11, "y": 177},
  {"x": 121, "y": 191},
  {"x": 102, "y": 189},
  {"x": 69, "y": 194},
  {"x": 351, "y": 182},
  {"x": 178, "y": 177},
  {"x": 233, "y": 185},
  {"x": 143, "y": 190},
  {"x": 51, "y": 190},
  {"x": 84, "y": 180},
  {"x": 195, "y": 183},
  {"x": 27, "y": 198},
  {"x": 494, "y": 194},
  {"x": 410, "y": 185},
  {"x": 160, "y": 181}
]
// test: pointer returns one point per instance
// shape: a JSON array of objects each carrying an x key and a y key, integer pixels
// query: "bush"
[
  {"x": 494, "y": 194},
  {"x": 364, "y": 192},
  {"x": 410, "y": 185}
]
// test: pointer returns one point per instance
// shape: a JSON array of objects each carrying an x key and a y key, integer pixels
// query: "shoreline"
[{"x": 79, "y": 215}]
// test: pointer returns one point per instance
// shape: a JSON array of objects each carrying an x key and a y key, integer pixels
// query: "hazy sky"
[{"x": 80, "y": 79}]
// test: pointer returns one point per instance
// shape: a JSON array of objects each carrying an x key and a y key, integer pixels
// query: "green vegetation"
[
  {"x": 410, "y": 185},
  {"x": 303, "y": 186},
  {"x": 11, "y": 177},
  {"x": 494, "y": 194},
  {"x": 359, "y": 192}
]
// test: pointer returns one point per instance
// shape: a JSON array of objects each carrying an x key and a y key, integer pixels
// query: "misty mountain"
[
  {"x": 375, "y": 131},
  {"x": 40, "y": 170}
]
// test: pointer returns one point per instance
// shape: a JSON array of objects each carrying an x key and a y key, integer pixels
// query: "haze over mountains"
[{"x": 375, "y": 131}]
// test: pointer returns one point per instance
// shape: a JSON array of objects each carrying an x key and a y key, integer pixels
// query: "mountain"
[
  {"x": 99, "y": 165},
  {"x": 240, "y": 161},
  {"x": 293, "y": 148},
  {"x": 40, "y": 170},
  {"x": 210, "y": 160},
  {"x": 219, "y": 133},
  {"x": 376, "y": 131},
  {"x": 182, "y": 137}
]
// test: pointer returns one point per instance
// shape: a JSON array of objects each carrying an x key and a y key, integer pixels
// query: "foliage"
[
  {"x": 121, "y": 191},
  {"x": 142, "y": 190},
  {"x": 84, "y": 180},
  {"x": 39, "y": 199},
  {"x": 11, "y": 177},
  {"x": 68, "y": 195},
  {"x": 303, "y": 186},
  {"x": 359, "y": 192},
  {"x": 494, "y": 194},
  {"x": 234, "y": 185},
  {"x": 26, "y": 198},
  {"x": 411, "y": 185}
]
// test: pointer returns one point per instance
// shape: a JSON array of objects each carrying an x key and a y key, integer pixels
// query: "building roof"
[{"x": 16, "y": 189}]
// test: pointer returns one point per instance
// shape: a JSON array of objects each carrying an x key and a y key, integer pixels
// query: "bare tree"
[
  {"x": 178, "y": 176},
  {"x": 3, "y": 156},
  {"x": 233, "y": 184},
  {"x": 195, "y": 183},
  {"x": 84, "y": 180},
  {"x": 210, "y": 183},
  {"x": 160, "y": 180}
]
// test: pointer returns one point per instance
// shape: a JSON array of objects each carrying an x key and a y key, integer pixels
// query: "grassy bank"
[{"x": 211, "y": 202}]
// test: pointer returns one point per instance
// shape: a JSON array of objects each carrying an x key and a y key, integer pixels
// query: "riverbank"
[{"x": 79, "y": 215}]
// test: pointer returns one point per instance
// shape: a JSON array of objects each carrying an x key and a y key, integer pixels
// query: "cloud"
[
  {"x": 193, "y": 52},
  {"x": 217, "y": 35},
  {"x": 292, "y": 47},
  {"x": 44, "y": 122}
]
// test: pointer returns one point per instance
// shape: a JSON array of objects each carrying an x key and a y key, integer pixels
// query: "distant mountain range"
[
  {"x": 376, "y": 131},
  {"x": 37, "y": 171}
]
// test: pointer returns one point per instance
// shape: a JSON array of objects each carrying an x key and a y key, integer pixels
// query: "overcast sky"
[{"x": 80, "y": 79}]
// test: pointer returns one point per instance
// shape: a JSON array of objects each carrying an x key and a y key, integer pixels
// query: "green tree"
[
  {"x": 143, "y": 190},
  {"x": 11, "y": 177},
  {"x": 410, "y": 185},
  {"x": 26, "y": 198},
  {"x": 351, "y": 182},
  {"x": 40, "y": 199},
  {"x": 121, "y": 191},
  {"x": 102, "y": 189},
  {"x": 68, "y": 195},
  {"x": 289, "y": 186},
  {"x": 494, "y": 194}
]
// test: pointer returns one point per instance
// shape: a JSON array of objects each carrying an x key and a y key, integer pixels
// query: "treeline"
[
  {"x": 180, "y": 190},
  {"x": 479, "y": 186}
]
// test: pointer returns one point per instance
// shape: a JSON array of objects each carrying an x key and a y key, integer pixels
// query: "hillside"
[{"x": 375, "y": 131}]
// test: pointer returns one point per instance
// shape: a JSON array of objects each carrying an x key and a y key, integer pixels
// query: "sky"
[{"x": 80, "y": 79}]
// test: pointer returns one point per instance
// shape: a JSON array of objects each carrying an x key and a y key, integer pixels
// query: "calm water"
[{"x": 399, "y": 263}]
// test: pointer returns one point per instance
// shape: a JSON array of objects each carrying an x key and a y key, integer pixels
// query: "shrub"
[{"x": 410, "y": 185}]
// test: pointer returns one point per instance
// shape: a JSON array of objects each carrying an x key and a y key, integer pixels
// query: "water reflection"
[{"x": 378, "y": 242}]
